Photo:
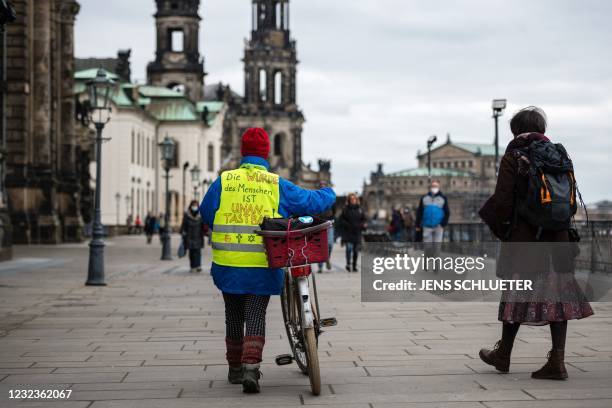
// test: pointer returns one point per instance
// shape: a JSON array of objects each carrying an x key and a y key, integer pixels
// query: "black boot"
[
  {"x": 554, "y": 369},
  {"x": 250, "y": 378},
  {"x": 496, "y": 358},
  {"x": 234, "y": 375}
]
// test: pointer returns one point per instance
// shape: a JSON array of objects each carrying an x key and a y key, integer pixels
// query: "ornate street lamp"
[
  {"x": 100, "y": 93},
  {"x": 430, "y": 142},
  {"x": 184, "y": 196},
  {"x": 166, "y": 147},
  {"x": 195, "y": 180},
  {"x": 498, "y": 106},
  {"x": 118, "y": 201},
  {"x": 205, "y": 184}
]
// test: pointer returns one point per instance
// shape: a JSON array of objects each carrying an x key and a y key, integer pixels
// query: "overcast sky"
[{"x": 376, "y": 78}]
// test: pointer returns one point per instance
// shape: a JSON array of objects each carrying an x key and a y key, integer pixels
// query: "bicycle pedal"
[
  {"x": 284, "y": 359},
  {"x": 328, "y": 322}
]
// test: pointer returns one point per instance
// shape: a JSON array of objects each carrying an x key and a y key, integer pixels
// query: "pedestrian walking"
[
  {"x": 328, "y": 216},
  {"x": 208, "y": 234},
  {"x": 149, "y": 226},
  {"x": 128, "y": 222},
  {"x": 138, "y": 224},
  {"x": 161, "y": 224},
  {"x": 409, "y": 224},
  {"x": 234, "y": 206},
  {"x": 192, "y": 233},
  {"x": 353, "y": 223},
  {"x": 397, "y": 225},
  {"x": 433, "y": 214},
  {"x": 512, "y": 220}
]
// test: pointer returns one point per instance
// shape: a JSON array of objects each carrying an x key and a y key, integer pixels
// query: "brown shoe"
[
  {"x": 494, "y": 357},
  {"x": 554, "y": 369}
]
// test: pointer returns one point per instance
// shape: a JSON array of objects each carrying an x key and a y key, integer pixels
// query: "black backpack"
[{"x": 550, "y": 200}]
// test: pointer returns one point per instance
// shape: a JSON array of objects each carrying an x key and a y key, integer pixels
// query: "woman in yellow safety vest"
[{"x": 234, "y": 205}]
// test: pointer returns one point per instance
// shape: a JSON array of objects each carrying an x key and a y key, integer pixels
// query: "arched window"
[
  {"x": 278, "y": 88},
  {"x": 133, "y": 146},
  {"x": 279, "y": 23},
  {"x": 262, "y": 85},
  {"x": 138, "y": 149},
  {"x": 262, "y": 15},
  {"x": 247, "y": 81},
  {"x": 254, "y": 16},
  {"x": 278, "y": 144},
  {"x": 286, "y": 15},
  {"x": 176, "y": 40}
]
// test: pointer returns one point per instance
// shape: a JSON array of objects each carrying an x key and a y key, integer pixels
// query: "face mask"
[
  {"x": 194, "y": 209},
  {"x": 434, "y": 190}
]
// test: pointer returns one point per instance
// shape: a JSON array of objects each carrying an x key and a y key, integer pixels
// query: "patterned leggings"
[{"x": 240, "y": 311}]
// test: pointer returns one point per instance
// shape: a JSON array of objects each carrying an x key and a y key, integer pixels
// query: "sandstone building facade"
[{"x": 44, "y": 158}]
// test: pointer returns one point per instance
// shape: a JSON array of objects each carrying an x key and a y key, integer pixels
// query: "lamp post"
[
  {"x": 205, "y": 184},
  {"x": 166, "y": 148},
  {"x": 118, "y": 201},
  {"x": 99, "y": 114},
  {"x": 128, "y": 201},
  {"x": 430, "y": 142},
  {"x": 185, "y": 167},
  {"x": 195, "y": 180},
  {"x": 498, "y": 106}
]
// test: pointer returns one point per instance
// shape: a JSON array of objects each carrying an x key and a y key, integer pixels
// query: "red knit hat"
[{"x": 255, "y": 142}]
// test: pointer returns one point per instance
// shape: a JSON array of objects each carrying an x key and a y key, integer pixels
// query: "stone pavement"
[{"x": 154, "y": 338}]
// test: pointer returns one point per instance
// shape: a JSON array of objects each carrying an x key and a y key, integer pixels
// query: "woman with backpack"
[{"x": 509, "y": 218}]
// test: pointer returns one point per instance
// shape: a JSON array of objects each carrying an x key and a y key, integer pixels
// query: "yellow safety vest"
[{"x": 248, "y": 194}]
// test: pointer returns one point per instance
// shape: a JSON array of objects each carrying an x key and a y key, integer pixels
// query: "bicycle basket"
[{"x": 295, "y": 241}]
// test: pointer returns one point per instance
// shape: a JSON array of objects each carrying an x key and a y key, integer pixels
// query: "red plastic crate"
[{"x": 295, "y": 248}]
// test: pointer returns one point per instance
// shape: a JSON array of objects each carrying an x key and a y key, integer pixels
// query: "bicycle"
[{"x": 301, "y": 309}]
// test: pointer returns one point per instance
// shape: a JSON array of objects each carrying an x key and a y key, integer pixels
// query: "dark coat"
[
  {"x": 352, "y": 223},
  {"x": 498, "y": 214},
  {"x": 192, "y": 230},
  {"x": 150, "y": 225},
  {"x": 397, "y": 221}
]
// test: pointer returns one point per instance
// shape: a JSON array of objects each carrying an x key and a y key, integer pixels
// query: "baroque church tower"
[
  {"x": 269, "y": 101},
  {"x": 178, "y": 64}
]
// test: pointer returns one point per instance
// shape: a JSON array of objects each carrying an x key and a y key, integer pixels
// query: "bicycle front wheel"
[
  {"x": 312, "y": 355},
  {"x": 293, "y": 323}
]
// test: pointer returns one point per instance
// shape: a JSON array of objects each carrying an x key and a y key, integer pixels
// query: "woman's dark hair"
[
  {"x": 527, "y": 120},
  {"x": 194, "y": 202}
]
